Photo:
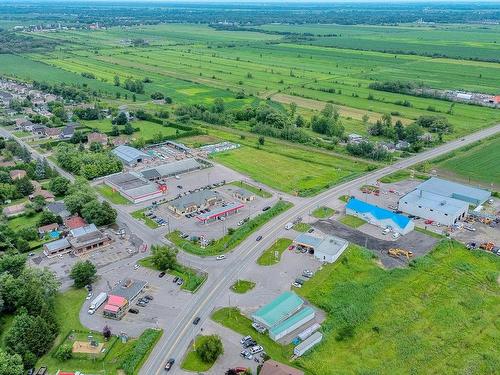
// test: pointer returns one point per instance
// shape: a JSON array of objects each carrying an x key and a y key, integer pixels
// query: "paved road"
[{"x": 174, "y": 343}]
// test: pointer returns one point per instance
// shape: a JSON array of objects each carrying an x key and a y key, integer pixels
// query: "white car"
[
  {"x": 89, "y": 296},
  {"x": 386, "y": 231},
  {"x": 136, "y": 267},
  {"x": 91, "y": 311},
  {"x": 296, "y": 285},
  {"x": 256, "y": 349},
  {"x": 395, "y": 235},
  {"x": 220, "y": 257}
]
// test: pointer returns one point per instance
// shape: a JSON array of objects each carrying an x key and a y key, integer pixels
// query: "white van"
[{"x": 288, "y": 226}]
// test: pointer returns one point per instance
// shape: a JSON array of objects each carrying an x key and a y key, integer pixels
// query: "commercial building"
[
  {"x": 244, "y": 195},
  {"x": 116, "y": 307},
  {"x": 57, "y": 247},
  {"x": 327, "y": 249},
  {"x": 194, "y": 201},
  {"x": 219, "y": 212},
  {"x": 129, "y": 155},
  {"x": 133, "y": 186},
  {"x": 171, "y": 169},
  {"x": 455, "y": 190},
  {"x": 87, "y": 238},
  {"x": 308, "y": 344},
  {"x": 271, "y": 367},
  {"x": 291, "y": 324},
  {"x": 442, "y": 201},
  {"x": 278, "y": 310},
  {"x": 379, "y": 216}
]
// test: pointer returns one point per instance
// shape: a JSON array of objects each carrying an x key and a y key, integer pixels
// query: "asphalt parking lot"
[{"x": 417, "y": 242}]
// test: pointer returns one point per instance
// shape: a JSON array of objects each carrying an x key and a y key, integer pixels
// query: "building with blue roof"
[
  {"x": 129, "y": 155},
  {"x": 379, "y": 216},
  {"x": 291, "y": 324}
]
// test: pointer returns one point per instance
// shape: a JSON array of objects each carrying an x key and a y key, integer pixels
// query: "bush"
[
  {"x": 63, "y": 353},
  {"x": 142, "y": 347},
  {"x": 211, "y": 349}
]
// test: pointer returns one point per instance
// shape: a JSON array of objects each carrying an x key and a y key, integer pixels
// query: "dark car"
[
  {"x": 161, "y": 274},
  {"x": 148, "y": 297},
  {"x": 259, "y": 238},
  {"x": 196, "y": 320},
  {"x": 180, "y": 281},
  {"x": 133, "y": 311},
  {"x": 175, "y": 279},
  {"x": 249, "y": 343},
  {"x": 169, "y": 364},
  {"x": 140, "y": 303},
  {"x": 179, "y": 187},
  {"x": 88, "y": 287},
  {"x": 266, "y": 208}
]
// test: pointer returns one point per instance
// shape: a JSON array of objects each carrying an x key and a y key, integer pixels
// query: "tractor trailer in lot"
[{"x": 97, "y": 302}]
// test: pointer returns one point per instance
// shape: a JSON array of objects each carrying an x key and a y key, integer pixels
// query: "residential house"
[
  {"x": 17, "y": 174},
  {"x": 14, "y": 210},
  {"x": 53, "y": 133},
  {"x": 44, "y": 229},
  {"x": 68, "y": 131},
  {"x": 95, "y": 137},
  {"x": 59, "y": 209},
  {"x": 354, "y": 138},
  {"x": 39, "y": 130},
  {"x": 47, "y": 195}
]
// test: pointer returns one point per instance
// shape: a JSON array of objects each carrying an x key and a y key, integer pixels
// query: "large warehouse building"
[
  {"x": 133, "y": 186},
  {"x": 379, "y": 216},
  {"x": 442, "y": 201},
  {"x": 129, "y": 155}
]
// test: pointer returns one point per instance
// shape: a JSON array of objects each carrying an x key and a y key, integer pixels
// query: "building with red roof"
[
  {"x": 115, "y": 307},
  {"x": 74, "y": 222}
]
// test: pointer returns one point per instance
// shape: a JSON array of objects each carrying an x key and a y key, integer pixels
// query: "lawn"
[
  {"x": 23, "y": 221},
  {"x": 192, "y": 361},
  {"x": 401, "y": 175},
  {"x": 254, "y": 189},
  {"x": 145, "y": 129},
  {"x": 476, "y": 163},
  {"x": 436, "y": 316},
  {"x": 229, "y": 241},
  {"x": 242, "y": 286},
  {"x": 352, "y": 221},
  {"x": 232, "y": 318},
  {"x": 322, "y": 212},
  {"x": 301, "y": 227},
  {"x": 139, "y": 215},
  {"x": 111, "y": 195},
  {"x": 192, "y": 279},
  {"x": 272, "y": 255}
]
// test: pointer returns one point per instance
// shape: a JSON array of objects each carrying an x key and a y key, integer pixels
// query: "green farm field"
[
  {"x": 479, "y": 163},
  {"x": 437, "y": 316}
]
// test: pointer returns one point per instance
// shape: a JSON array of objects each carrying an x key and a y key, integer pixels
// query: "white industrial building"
[
  {"x": 442, "y": 201},
  {"x": 291, "y": 324},
  {"x": 308, "y": 343},
  {"x": 327, "y": 249}
]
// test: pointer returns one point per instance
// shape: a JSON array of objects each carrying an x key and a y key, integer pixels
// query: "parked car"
[
  {"x": 266, "y": 208},
  {"x": 136, "y": 266},
  {"x": 249, "y": 343},
  {"x": 258, "y": 238},
  {"x": 148, "y": 297},
  {"x": 307, "y": 273},
  {"x": 386, "y": 231},
  {"x": 161, "y": 274},
  {"x": 220, "y": 257},
  {"x": 176, "y": 278},
  {"x": 256, "y": 349},
  {"x": 180, "y": 281},
  {"x": 196, "y": 320},
  {"x": 88, "y": 287},
  {"x": 179, "y": 187},
  {"x": 133, "y": 311},
  {"x": 246, "y": 354},
  {"x": 244, "y": 339},
  {"x": 89, "y": 296},
  {"x": 310, "y": 230},
  {"x": 169, "y": 364},
  {"x": 140, "y": 303},
  {"x": 296, "y": 285},
  {"x": 396, "y": 235}
]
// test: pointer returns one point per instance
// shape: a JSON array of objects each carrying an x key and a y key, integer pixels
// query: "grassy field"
[
  {"x": 111, "y": 195},
  {"x": 477, "y": 163},
  {"x": 23, "y": 221},
  {"x": 229, "y": 241},
  {"x": 268, "y": 257},
  {"x": 402, "y": 174},
  {"x": 352, "y": 221},
  {"x": 256, "y": 190},
  {"x": 322, "y": 212},
  {"x": 437, "y": 316},
  {"x": 242, "y": 286},
  {"x": 192, "y": 361},
  {"x": 146, "y": 129}
]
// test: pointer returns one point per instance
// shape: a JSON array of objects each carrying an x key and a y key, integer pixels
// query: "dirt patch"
[
  {"x": 85, "y": 347},
  {"x": 344, "y": 111},
  {"x": 417, "y": 242}
]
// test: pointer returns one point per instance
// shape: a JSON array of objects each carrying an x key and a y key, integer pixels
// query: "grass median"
[
  {"x": 230, "y": 241},
  {"x": 352, "y": 221},
  {"x": 242, "y": 286},
  {"x": 272, "y": 255},
  {"x": 139, "y": 215}
]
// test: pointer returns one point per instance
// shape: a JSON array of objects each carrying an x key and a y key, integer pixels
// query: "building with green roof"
[
  {"x": 291, "y": 324},
  {"x": 278, "y": 310}
]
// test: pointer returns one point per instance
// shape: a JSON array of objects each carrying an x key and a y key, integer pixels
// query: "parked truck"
[{"x": 97, "y": 302}]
